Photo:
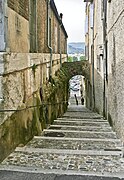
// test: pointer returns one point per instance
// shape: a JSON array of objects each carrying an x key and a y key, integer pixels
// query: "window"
[
  {"x": 86, "y": 25},
  {"x": 91, "y": 15},
  {"x": 99, "y": 62},
  {"x": 17, "y": 24},
  {"x": 2, "y": 26}
]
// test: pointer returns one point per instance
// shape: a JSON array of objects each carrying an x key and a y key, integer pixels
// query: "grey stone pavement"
[{"x": 81, "y": 145}]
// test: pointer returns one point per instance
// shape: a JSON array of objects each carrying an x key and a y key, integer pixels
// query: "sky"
[{"x": 73, "y": 18}]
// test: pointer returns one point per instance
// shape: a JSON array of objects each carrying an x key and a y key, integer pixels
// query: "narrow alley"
[
  {"x": 81, "y": 145},
  {"x": 61, "y": 90}
]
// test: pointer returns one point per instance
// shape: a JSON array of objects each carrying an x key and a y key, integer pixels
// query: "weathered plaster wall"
[
  {"x": 34, "y": 110},
  {"x": 19, "y": 23},
  {"x": 24, "y": 78},
  {"x": 86, "y": 32},
  {"x": 116, "y": 65},
  {"x": 42, "y": 26},
  {"x": 55, "y": 33},
  {"x": 23, "y": 75},
  {"x": 114, "y": 87},
  {"x": 98, "y": 65},
  {"x": 63, "y": 43},
  {"x": 94, "y": 46},
  {"x": 2, "y": 25},
  {"x": 18, "y": 32},
  {"x": 90, "y": 32},
  {"x": 59, "y": 40},
  {"x": 20, "y": 6}
]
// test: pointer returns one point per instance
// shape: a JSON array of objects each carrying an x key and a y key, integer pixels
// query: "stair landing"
[{"x": 80, "y": 144}]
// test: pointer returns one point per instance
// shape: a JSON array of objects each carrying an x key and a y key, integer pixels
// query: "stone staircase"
[{"x": 80, "y": 145}]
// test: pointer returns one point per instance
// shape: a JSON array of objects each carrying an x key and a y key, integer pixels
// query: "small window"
[
  {"x": 99, "y": 63},
  {"x": 102, "y": 10},
  {"x": 49, "y": 38},
  {"x": 91, "y": 15},
  {"x": 17, "y": 24},
  {"x": 86, "y": 25}
]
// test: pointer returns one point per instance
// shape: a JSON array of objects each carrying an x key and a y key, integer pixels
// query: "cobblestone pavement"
[{"x": 80, "y": 145}]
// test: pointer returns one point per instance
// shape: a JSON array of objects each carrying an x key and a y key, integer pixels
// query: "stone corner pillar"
[
  {"x": 1, "y": 76},
  {"x": 3, "y": 25}
]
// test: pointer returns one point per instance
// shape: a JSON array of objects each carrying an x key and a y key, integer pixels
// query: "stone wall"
[
  {"x": 18, "y": 33},
  {"x": 29, "y": 99},
  {"x": 98, "y": 63},
  {"x": 31, "y": 106},
  {"x": 2, "y": 25},
  {"x": 116, "y": 65},
  {"x": 42, "y": 26},
  {"x": 94, "y": 47},
  {"x": 109, "y": 93},
  {"x": 17, "y": 23},
  {"x": 23, "y": 75},
  {"x": 20, "y": 6},
  {"x": 20, "y": 24}
]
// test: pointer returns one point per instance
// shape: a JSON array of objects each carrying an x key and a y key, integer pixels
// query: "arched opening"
[
  {"x": 77, "y": 90},
  {"x": 73, "y": 72}
]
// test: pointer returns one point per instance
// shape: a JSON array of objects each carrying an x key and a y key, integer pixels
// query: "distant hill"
[{"x": 76, "y": 47}]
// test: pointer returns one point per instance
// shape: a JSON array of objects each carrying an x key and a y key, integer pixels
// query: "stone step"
[
  {"x": 79, "y": 139},
  {"x": 82, "y": 112},
  {"x": 80, "y": 123},
  {"x": 65, "y": 160},
  {"x": 81, "y": 142},
  {"x": 75, "y": 119},
  {"x": 81, "y": 128},
  {"x": 78, "y": 134},
  {"x": 78, "y": 144},
  {"x": 69, "y": 151},
  {"x": 82, "y": 115},
  {"x": 35, "y": 173},
  {"x": 81, "y": 108}
]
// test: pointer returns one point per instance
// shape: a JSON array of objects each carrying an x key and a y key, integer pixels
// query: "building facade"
[
  {"x": 33, "y": 45},
  {"x": 107, "y": 59},
  {"x": 32, "y": 35}
]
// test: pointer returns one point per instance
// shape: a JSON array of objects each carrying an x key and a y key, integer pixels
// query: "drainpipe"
[
  {"x": 36, "y": 28},
  {"x": 60, "y": 52},
  {"x": 93, "y": 82},
  {"x": 105, "y": 56},
  {"x": 93, "y": 79},
  {"x": 48, "y": 40}
]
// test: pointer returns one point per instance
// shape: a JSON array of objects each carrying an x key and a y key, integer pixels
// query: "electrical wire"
[{"x": 29, "y": 107}]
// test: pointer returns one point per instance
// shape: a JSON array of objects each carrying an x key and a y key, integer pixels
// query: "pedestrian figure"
[
  {"x": 82, "y": 100},
  {"x": 76, "y": 99}
]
